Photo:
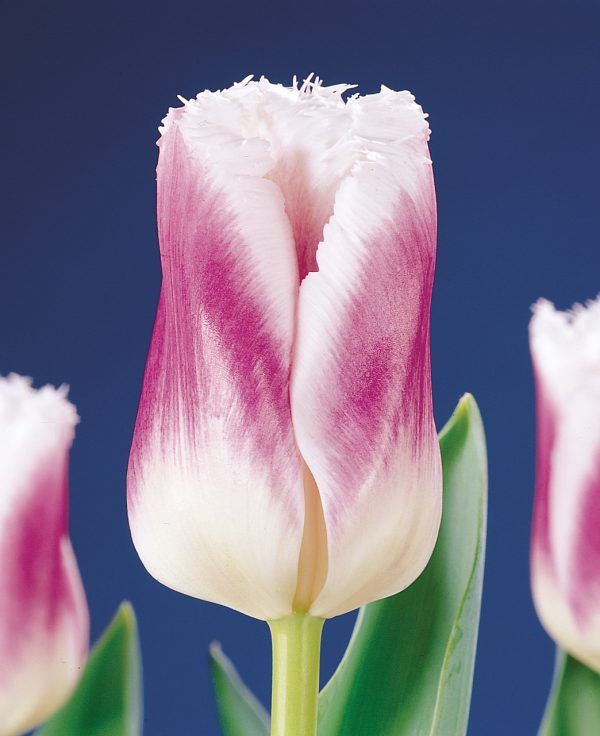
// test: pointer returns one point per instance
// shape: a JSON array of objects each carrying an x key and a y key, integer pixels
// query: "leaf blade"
[
  {"x": 240, "y": 713},
  {"x": 107, "y": 700},
  {"x": 574, "y": 703}
]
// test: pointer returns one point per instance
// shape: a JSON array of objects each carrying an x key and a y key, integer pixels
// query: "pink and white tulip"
[
  {"x": 565, "y": 551},
  {"x": 43, "y": 611},
  {"x": 285, "y": 455}
]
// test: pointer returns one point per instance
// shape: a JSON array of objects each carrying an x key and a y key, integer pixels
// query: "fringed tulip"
[
  {"x": 565, "y": 552},
  {"x": 285, "y": 456},
  {"x": 43, "y": 611}
]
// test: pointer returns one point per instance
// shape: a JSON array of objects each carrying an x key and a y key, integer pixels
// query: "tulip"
[
  {"x": 43, "y": 611},
  {"x": 284, "y": 456},
  {"x": 284, "y": 460},
  {"x": 565, "y": 549}
]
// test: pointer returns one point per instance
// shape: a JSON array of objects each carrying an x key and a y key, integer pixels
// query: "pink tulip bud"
[
  {"x": 285, "y": 455},
  {"x": 565, "y": 551},
  {"x": 43, "y": 611}
]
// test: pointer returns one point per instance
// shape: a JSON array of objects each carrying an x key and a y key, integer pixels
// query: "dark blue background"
[{"x": 512, "y": 89}]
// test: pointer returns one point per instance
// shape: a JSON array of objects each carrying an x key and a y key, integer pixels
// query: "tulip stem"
[{"x": 296, "y": 651}]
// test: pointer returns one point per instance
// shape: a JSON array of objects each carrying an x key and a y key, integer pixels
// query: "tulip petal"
[
  {"x": 43, "y": 611},
  {"x": 565, "y": 553},
  {"x": 215, "y": 481},
  {"x": 361, "y": 384}
]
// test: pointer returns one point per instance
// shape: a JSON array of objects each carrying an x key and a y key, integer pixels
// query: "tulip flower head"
[
  {"x": 43, "y": 611},
  {"x": 565, "y": 552},
  {"x": 285, "y": 456}
]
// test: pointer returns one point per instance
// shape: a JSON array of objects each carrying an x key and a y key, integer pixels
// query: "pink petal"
[
  {"x": 361, "y": 385},
  {"x": 215, "y": 485},
  {"x": 565, "y": 552},
  {"x": 43, "y": 612}
]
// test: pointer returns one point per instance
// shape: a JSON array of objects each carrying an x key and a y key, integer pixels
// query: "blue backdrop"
[{"x": 511, "y": 88}]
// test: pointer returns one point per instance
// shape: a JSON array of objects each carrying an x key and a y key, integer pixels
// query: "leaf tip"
[
  {"x": 125, "y": 616},
  {"x": 467, "y": 411},
  {"x": 467, "y": 404},
  {"x": 215, "y": 651}
]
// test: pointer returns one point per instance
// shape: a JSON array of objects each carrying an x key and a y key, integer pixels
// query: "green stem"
[{"x": 296, "y": 650}]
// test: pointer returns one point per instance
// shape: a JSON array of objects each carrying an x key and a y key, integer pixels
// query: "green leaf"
[
  {"x": 408, "y": 669},
  {"x": 240, "y": 713},
  {"x": 574, "y": 703},
  {"x": 107, "y": 701}
]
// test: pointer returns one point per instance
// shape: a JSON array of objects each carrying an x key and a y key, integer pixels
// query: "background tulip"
[
  {"x": 285, "y": 455},
  {"x": 565, "y": 553},
  {"x": 43, "y": 611}
]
